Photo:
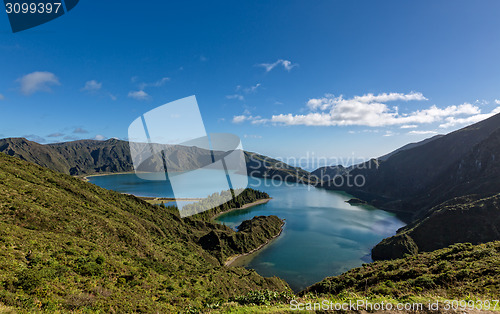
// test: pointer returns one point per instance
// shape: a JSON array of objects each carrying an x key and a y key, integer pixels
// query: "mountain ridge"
[
  {"x": 402, "y": 182},
  {"x": 86, "y": 157}
]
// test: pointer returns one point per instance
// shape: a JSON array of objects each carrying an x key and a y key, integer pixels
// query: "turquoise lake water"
[{"x": 323, "y": 235}]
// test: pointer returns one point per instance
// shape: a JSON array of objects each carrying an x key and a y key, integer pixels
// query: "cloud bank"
[{"x": 373, "y": 111}]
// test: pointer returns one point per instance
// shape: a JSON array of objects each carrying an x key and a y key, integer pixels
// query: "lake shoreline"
[
  {"x": 249, "y": 205},
  {"x": 234, "y": 258},
  {"x": 86, "y": 176},
  {"x": 301, "y": 206}
]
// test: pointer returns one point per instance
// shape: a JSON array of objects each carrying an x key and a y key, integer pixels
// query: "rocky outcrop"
[{"x": 251, "y": 234}]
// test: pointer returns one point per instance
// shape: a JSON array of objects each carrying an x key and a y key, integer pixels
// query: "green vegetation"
[
  {"x": 222, "y": 242},
  {"x": 464, "y": 273},
  {"x": 457, "y": 272},
  {"x": 69, "y": 245},
  {"x": 472, "y": 219},
  {"x": 242, "y": 197}
]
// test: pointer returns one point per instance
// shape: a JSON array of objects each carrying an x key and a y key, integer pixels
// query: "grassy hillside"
[
  {"x": 69, "y": 245},
  {"x": 463, "y": 276},
  {"x": 459, "y": 272}
]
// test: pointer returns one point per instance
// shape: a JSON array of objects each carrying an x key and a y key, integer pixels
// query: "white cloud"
[
  {"x": 245, "y": 117},
  {"x": 409, "y": 126},
  {"x": 287, "y": 65},
  {"x": 37, "y": 81},
  {"x": 422, "y": 132},
  {"x": 371, "y": 110},
  {"x": 497, "y": 101},
  {"x": 99, "y": 137},
  {"x": 240, "y": 90},
  {"x": 235, "y": 96},
  {"x": 239, "y": 119},
  {"x": 452, "y": 121},
  {"x": 2, "y": 97},
  {"x": 139, "y": 95},
  {"x": 481, "y": 102},
  {"x": 252, "y": 89},
  {"x": 329, "y": 100},
  {"x": 92, "y": 86}
]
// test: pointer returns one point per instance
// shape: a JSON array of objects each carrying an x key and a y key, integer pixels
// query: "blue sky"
[{"x": 292, "y": 78}]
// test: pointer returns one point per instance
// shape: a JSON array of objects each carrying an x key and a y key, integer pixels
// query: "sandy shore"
[
  {"x": 257, "y": 202},
  {"x": 233, "y": 259},
  {"x": 85, "y": 177},
  {"x": 160, "y": 200}
]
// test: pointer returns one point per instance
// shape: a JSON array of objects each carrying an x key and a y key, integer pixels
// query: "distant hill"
[
  {"x": 67, "y": 245},
  {"x": 74, "y": 158},
  {"x": 112, "y": 156}
]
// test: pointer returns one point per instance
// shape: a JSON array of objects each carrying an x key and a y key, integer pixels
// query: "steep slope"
[
  {"x": 111, "y": 156},
  {"x": 405, "y": 180},
  {"x": 466, "y": 219},
  {"x": 477, "y": 172},
  {"x": 69, "y": 245},
  {"x": 89, "y": 156},
  {"x": 329, "y": 172},
  {"x": 42, "y": 155},
  {"x": 261, "y": 166},
  {"x": 410, "y": 146}
]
